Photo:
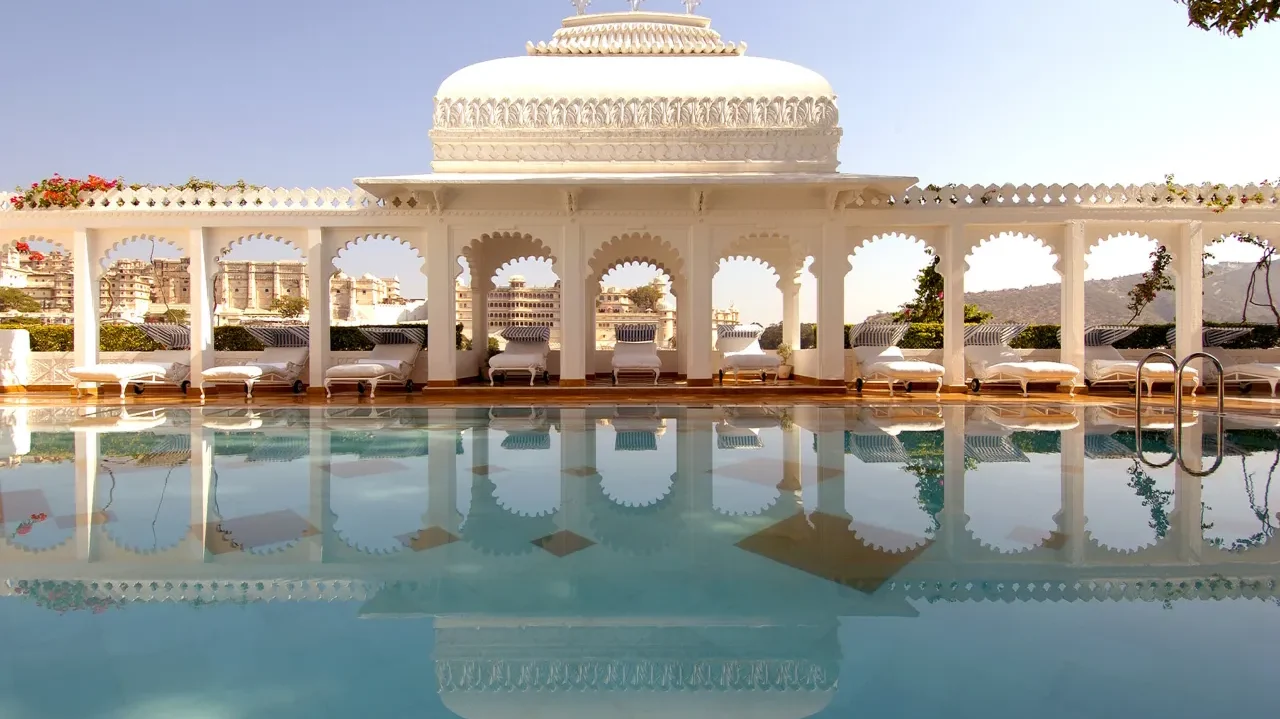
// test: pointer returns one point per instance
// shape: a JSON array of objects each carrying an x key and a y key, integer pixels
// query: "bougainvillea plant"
[
  {"x": 58, "y": 191},
  {"x": 25, "y": 526},
  {"x": 63, "y": 597}
]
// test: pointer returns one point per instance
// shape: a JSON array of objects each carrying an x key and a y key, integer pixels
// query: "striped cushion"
[
  {"x": 395, "y": 335},
  {"x": 1103, "y": 335},
  {"x": 635, "y": 441},
  {"x": 877, "y": 334},
  {"x": 991, "y": 335},
  {"x": 280, "y": 335},
  {"x": 527, "y": 334},
  {"x": 635, "y": 333},
  {"x": 751, "y": 331},
  {"x": 174, "y": 337},
  {"x": 1211, "y": 336}
]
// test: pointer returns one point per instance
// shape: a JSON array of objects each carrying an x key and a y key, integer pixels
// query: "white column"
[
  {"x": 201, "y": 483},
  {"x": 442, "y": 313},
  {"x": 696, "y": 308},
  {"x": 200, "y": 271},
  {"x": 88, "y": 273},
  {"x": 573, "y": 329},
  {"x": 442, "y": 471},
  {"x": 791, "y": 313},
  {"x": 577, "y": 469},
  {"x": 954, "y": 519},
  {"x": 1189, "y": 293},
  {"x": 1188, "y": 493},
  {"x": 320, "y": 479},
  {"x": 1071, "y": 519},
  {"x": 1071, "y": 264},
  {"x": 86, "y": 469},
  {"x": 952, "y": 270},
  {"x": 833, "y": 265},
  {"x": 319, "y": 268},
  {"x": 591, "y": 296},
  {"x": 830, "y": 460}
]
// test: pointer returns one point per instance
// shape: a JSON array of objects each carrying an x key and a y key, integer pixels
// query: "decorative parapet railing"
[
  {"x": 1149, "y": 196},
  {"x": 951, "y": 197}
]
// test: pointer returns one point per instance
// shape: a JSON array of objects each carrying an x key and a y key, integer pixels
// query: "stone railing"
[
  {"x": 1150, "y": 196},
  {"x": 957, "y": 197}
]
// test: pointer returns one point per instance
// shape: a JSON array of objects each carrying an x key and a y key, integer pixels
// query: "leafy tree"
[
  {"x": 289, "y": 307},
  {"x": 772, "y": 336},
  {"x": 647, "y": 297},
  {"x": 927, "y": 306},
  {"x": 15, "y": 299},
  {"x": 1231, "y": 17},
  {"x": 177, "y": 317}
]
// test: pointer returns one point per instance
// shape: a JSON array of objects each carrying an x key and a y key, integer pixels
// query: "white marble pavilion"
[{"x": 643, "y": 136}]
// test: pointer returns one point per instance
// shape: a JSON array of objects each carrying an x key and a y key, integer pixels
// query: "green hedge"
[
  {"x": 129, "y": 338},
  {"x": 928, "y": 336}
]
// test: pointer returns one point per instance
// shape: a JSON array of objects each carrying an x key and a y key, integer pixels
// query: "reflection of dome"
[
  {"x": 635, "y": 92},
  {"x": 560, "y": 671}
]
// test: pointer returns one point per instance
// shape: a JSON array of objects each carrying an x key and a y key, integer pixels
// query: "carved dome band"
[{"x": 758, "y": 113}]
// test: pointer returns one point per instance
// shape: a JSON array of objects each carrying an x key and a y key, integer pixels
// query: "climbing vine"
[{"x": 1219, "y": 200}]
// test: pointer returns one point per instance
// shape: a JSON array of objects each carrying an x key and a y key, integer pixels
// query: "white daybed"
[
  {"x": 280, "y": 363},
  {"x": 993, "y": 361},
  {"x": 394, "y": 353},
  {"x": 637, "y": 429},
  {"x": 636, "y": 350},
  {"x": 881, "y": 360},
  {"x": 526, "y": 351},
  {"x": 169, "y": 366},
  {"x": 1104, "y": 365},
  {"x": 1235, "y": 369},
  {"x": 740, "y": 346}
]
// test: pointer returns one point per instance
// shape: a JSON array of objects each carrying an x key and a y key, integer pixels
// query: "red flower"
[
  {"x": 21, "y": 246},
  {"x": 39, "y": 517},
  {"x": 36, "y": 256},
  {"x": 24, "y": 528}
]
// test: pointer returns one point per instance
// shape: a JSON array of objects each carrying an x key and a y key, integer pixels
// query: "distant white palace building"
[
  {"x": 643, "y": 137},
  {"x": 519, "y": 305}
]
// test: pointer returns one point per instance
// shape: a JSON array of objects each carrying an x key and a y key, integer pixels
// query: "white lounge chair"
[
  {"x": 281, "y": 363},
  {"x": 636, "y": 350},
  {"x": 740, "y": 346},
  {"x": 1104, "y": 365},
  {"x": 526, "y": 351},
  {"x": 1236, "y": 368},
  {"x": 119, "y": 420},
  {"x": 169, "y": 366},
  {"x": 394, "y": 354},
  {"x": 881, "y": 360},
  {"x": 993, "y": 361}
]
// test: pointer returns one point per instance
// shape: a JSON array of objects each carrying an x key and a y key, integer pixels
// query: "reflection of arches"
[
  {"x": 493, "y": 530},
  {"x": 1130, "y": 515},
  {"x": 46, "y": 490},
  {"x": 380, "y": 514},
  {"x": 638, "y": 529},
  {"x": 146, "y": 511}
]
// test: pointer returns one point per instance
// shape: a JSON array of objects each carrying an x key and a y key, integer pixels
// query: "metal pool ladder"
[{"x": 1177, "y": 411}]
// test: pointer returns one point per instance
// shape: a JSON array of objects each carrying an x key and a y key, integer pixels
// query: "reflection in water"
[{"x": 632, "y": 561}]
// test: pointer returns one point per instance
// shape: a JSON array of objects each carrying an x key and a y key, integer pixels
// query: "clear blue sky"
[{"x": 316, "y": 93}]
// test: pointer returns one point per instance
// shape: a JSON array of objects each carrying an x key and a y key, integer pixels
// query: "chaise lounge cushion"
[
  {"x": 366, "y": 369},
  {"x": 521, "y": 355},
  {"x": 636, "y": 355},
  {"x": 890, "y": 362},
  {"x": 988, "y": 362}
]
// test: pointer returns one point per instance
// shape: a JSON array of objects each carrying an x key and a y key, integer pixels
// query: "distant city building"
[
  {"x": 519, "y": 305},
  {"x": 244, "y": 290}
]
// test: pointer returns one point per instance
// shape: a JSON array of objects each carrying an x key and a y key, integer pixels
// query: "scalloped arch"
[
  {"x": 37, "y": 238},
  {"x": 365, "y": 238},
  {"x": 115, "y": 246},
  {"x": 262, "y": 236},
  {"x": 1096, "y": 240},
  {"x": 772, "y": 245},
  {"x": 1025, "y": 236},
  {"x": 640, "y": 248},
  {"x": 894, "y": 236},
  {"x": 483, "y": 252}
]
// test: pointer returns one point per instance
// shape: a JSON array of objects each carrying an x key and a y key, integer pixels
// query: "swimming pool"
[{"x": 635, "y": 561}]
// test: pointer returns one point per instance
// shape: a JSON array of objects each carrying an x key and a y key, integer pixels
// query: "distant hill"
[{"x": 1105, "y": 300}]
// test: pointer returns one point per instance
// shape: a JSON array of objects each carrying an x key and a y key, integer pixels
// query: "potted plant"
[{"x": 784, "y": 354}]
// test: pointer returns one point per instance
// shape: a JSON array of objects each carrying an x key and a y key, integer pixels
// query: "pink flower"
[{"x": 24, "y": 528}]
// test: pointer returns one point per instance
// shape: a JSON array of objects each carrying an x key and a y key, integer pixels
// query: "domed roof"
[{"x": 635, "y": 92}]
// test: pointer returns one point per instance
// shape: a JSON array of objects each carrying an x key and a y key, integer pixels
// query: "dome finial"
[
  {"x": 691, "y": 6},
  {"x": 581, "y": 6},
  {"x": 635, "y": 5}
]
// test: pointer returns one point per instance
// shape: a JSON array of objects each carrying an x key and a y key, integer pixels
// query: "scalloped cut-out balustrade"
[{"x": 1151, "y": 195}]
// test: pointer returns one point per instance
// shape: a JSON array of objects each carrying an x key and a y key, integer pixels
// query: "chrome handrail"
[{"x": 1177, "y": 413}]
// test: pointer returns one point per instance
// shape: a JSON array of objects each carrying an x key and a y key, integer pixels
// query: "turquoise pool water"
[{"x": 636, "y": 561}]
